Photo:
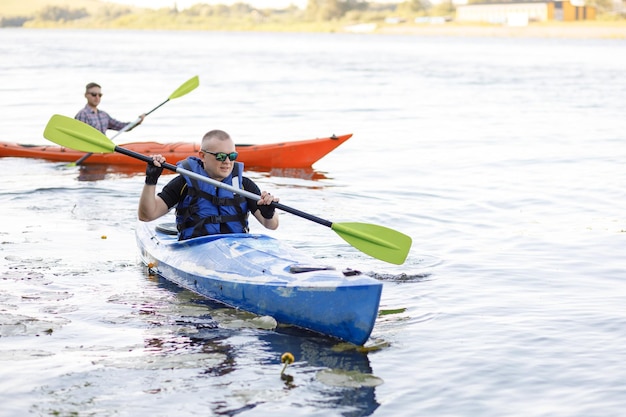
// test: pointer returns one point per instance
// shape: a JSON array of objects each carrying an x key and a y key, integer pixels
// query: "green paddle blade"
[
  {"x": 377, "y": 241},
  {"x": 74, "y": 134},
  {"x": 188, "y": 86}
]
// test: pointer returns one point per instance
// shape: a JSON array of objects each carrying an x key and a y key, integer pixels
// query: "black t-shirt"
[{"x": 175, "y": 190}]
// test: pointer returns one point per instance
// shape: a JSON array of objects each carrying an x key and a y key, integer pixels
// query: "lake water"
[{"x": 503, "y": 159}]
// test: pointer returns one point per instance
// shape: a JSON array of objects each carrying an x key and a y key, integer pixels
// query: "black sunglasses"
[
  {"x": 95, "y": 94},
  {"x": 221, "y": 156}
]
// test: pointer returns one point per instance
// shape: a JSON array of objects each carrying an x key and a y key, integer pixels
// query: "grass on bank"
[{"x": 12, "y": 8}]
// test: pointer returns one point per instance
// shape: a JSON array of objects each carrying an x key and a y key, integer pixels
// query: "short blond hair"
[
  {"x": 91, "y": 85},
  {"x": 215, "y": 134}
]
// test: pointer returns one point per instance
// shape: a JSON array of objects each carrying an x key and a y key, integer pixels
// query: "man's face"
[
  {"x": 93, "y": 96},
  {"x": 216, "y": 155}
]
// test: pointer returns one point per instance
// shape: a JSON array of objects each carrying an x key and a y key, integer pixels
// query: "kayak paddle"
[
  {"x": 188, "y": 86},
  {"x": 377, "y": 241}
]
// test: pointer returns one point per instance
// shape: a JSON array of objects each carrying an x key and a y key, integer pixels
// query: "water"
[{"x": 502, "y": 158}]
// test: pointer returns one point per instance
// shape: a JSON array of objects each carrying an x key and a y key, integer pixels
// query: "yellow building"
[{"x": 521, "y": 13}]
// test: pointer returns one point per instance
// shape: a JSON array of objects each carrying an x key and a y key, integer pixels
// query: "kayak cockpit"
[{"x": 296, "y": 268}]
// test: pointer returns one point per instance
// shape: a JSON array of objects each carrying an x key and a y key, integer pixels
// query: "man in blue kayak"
[
  {"x": 99, "y": 119},
  {"x": 201, "y": 208}
]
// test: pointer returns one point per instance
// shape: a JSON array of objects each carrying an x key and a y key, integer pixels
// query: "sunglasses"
[
  {"x": 95, "y": 94},
  {"x": 221, "y": 156}
]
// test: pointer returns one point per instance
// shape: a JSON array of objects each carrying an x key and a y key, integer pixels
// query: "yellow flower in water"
[{"x": 287, "y": 358}]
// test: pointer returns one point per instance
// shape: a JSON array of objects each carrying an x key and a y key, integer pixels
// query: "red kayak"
[{"x": 294, "y": 154}]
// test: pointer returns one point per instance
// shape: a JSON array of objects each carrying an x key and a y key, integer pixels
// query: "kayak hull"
[
  {"x": 262, "y": 275},
  {"x": 293, "y": 154}
]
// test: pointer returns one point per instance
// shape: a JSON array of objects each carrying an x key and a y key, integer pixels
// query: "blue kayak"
[{"x": 262, "y": 275}]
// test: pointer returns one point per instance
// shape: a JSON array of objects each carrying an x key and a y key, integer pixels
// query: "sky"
[{"x": 182, "y": 4}]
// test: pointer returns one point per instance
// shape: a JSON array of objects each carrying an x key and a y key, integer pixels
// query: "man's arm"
[
  {"x": 114, "y": 124},
  {"x": 260, "y": 208},
  {"x": 151, "y": 206}
]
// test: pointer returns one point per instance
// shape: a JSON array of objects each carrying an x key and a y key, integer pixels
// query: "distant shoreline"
[
  {"x": 560, "y": 30},
  {"x": 554, "y": 30}
]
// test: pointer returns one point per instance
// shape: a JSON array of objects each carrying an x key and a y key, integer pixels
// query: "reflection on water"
[
  {"x": 99, "y": 172},
  {"x": 347, "y": 370},
  {"x": 300, "y": 173}
]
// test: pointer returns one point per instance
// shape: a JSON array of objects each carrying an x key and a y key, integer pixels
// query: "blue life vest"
[{"x": 210, "y": 210}]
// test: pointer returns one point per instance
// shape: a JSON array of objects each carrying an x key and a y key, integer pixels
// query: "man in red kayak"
[
  {"x": 201, "y": 208},
  {"x": 99, "y": 119}
]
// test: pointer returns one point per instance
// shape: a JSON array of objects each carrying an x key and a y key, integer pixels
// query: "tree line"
[
  {"x": 119, "y": 16},
  {"x": 318, "y": 15}
]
